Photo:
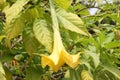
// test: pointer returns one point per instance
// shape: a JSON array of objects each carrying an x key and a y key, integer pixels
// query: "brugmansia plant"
[
  {"x": 59, "y": 55},
  {"x": 59, "y": 40}
]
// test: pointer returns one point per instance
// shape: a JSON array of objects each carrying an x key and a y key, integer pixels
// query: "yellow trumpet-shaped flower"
[{"x": 59, "y": 55}]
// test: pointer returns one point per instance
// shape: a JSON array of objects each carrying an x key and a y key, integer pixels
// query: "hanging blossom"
[{"x": 59, "y": 55}]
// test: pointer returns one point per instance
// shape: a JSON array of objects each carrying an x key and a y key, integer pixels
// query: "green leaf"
[
  {"x": 29, "y": 40},
  {"x": 95, "y": 57},
  {"x": 1, "y": 28},
  {"x": 33, "y": 73},
  {"x": 8, "y": 73},
  {"x": 101, "y": 38},
  {"x": 72, "y": 74},
  {"x": 6, "y": 57},
  {"x": 112, "y": 69},
  {"x": 112, "y": 44},
  {"x": 81, "y": 10},
  {"x": 13, "y": 24},
  {"x": 32, "y": 13},
  {"x": 14, "y": 29},
  {"x": 63, "y": 3},
  {"x": 115, "y": 17},
  {"x": 71, "y": 22},
  {"x": 109, "y": 38},
  {"x": 104, "y": 75},
  {"x": 14, "y": 10},
  {"x": 42, "y": 33},
  {"x": 2, "y": 4}
]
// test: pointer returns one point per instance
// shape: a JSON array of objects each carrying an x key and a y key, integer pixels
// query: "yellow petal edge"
[{"x": 59, "y": 56}]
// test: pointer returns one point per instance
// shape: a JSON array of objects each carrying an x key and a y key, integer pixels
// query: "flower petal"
[
  {"x": 54, "y": 61},
  {"x": 59, "y": 55},
  {"x": 71, "y": 60}
]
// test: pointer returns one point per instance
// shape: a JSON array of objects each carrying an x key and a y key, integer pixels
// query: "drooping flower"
[{"x": 59, "y": 56}]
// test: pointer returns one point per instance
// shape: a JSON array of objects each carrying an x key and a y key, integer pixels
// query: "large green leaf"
[
  {"x": 42, "y": 33},
  {"x": 71, "y": 22},
  {"x": 63, "y": 3},
  {"x": 112, "y": 69},
  {"x": 14, "y": 24},
  {"x": 29, "y": 40}
]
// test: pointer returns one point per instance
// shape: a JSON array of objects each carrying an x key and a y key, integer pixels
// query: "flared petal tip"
[
  {"x": 55, "y": 62},
  {"x": 48, "y": 60},
  {"x": 72, "y": 60}
]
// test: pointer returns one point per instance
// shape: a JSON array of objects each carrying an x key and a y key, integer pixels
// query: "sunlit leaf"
[
  {"x": 2, "y": 73},
  {"x": 14, "y": 29},
  {"x": 43, "y": 33},
  {"x": 86, "y": 75},
  {"x": 63, "y": 3},
  {"x": 116, "y": 17},
  {"x": 81, "y": 10},
  {"x": 14, "y": 10},
  {"x": 71, "y": 22},
  {"x": 2, "y": 77},
  {"x": 1, "y": 37},
  {"x": 95, "y": 57},
  {"x": 114, "y": 44},
  {"x": 1, "y": 68},
  {"x": 13, "y": 24},
  {"x": 101, "y": 38}
]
